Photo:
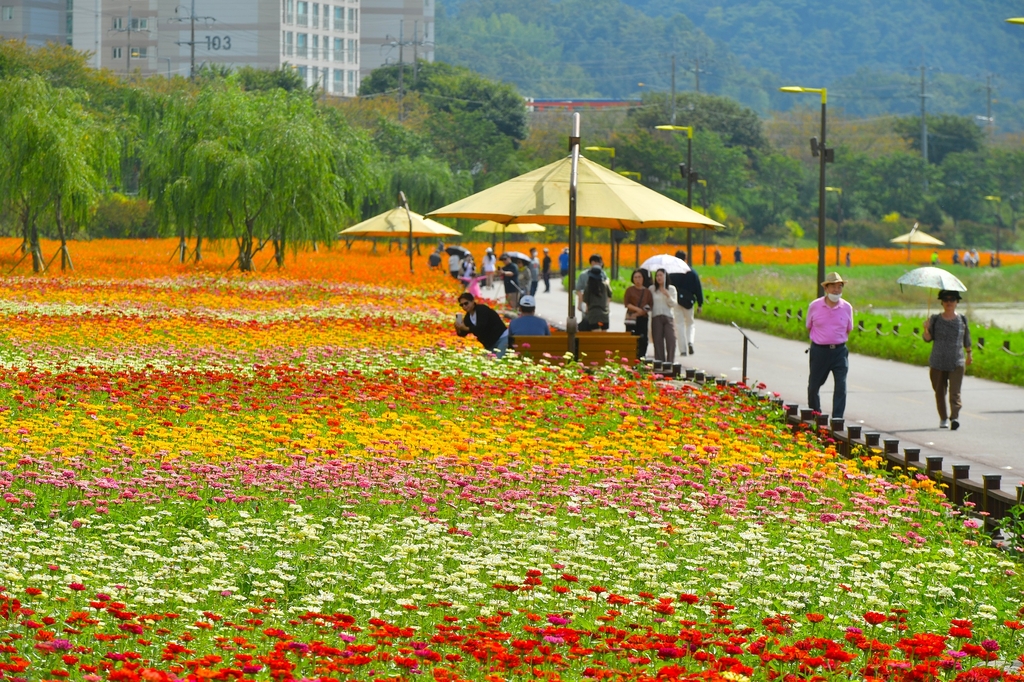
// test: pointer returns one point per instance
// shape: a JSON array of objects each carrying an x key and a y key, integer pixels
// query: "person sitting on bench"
[{"x": 528, "y": 324}]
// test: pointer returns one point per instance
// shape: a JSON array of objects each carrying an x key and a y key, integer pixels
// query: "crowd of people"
[
  {"x": 969, "y": 259},
  {"x": 660, "y": 310}
]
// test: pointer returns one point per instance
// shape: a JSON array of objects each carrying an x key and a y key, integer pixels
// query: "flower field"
[{"x": 307, "y": 476}]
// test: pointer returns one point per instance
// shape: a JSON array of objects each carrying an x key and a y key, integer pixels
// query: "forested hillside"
[{"x": 867, "y": 53}]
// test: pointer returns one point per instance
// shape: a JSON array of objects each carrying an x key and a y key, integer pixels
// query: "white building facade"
[{"x": 320, "y": 40}]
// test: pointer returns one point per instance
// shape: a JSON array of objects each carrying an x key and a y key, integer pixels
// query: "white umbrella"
[
  {"x": 932, "y": 278},
  {"x": 670, "y": 264}
]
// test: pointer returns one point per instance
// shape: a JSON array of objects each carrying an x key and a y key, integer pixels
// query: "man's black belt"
[{"x": 828, "y": 345}]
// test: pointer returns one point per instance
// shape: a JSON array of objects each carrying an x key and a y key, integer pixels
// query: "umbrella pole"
[
  {"x": 405, "y": 204},
  {"x": 574, "y": 150}
]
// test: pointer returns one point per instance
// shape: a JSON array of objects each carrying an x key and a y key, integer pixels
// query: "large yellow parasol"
[
  {"x": 491, "y": 227},
  {"x": 916, "y": 237},
  {"x": 605, "y": 199},
  {"x": 396, "y": 223}
]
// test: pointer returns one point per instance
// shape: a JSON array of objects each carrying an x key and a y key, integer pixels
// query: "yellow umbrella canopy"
[
  {"x": 491, "y": 227},
  {"x": 918, "y": 238},
  {"x": 604, "y": 199},
  {"x": 395, "y": 223}
]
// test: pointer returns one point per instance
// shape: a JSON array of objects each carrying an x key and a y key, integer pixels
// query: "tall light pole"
[
  {"x": 704, "y": 202},
  {"x": 686, "y": 170},
  {"x": 579, "y": 240},
  {"x": 996, "y": 202},
  {"x": 839, "y": 222},
  {"x": 825, "y": 155}
]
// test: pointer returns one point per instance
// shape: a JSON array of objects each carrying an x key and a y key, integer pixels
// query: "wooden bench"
[
  {"x": 601, "y": 348},
  {"x": 534, "y": 347},
  {"x": 592, "y": 348}
]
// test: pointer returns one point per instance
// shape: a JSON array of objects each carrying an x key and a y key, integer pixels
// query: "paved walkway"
[{"x": 886, "y": 396}]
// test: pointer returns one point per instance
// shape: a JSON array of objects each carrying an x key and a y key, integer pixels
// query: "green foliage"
[
  {"x": 505, "y": 47},
  {"x": 604, "y": 47},
  {"x": 966, "y": 182},
  {"x": 120, "y": 217},
  {"x": 474, "y": 124},
  {"x": 775, "y": 195},
  {"x": 53, "y": 159},
  {"x": 893, "y": 184},
  {"x": 736, "y": 125},
  {"x": 284, "y": 78},
  {"x": 947, "y": 134},
  {"x": 259, "y": 167}
]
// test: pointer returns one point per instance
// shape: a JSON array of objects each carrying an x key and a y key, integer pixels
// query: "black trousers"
[{"x": 827, "y": 360}]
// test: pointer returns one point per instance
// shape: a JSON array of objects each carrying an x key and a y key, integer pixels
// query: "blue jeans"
[
  {"x": 501, "y": 347},
  {"x": 826, "y": 360}
]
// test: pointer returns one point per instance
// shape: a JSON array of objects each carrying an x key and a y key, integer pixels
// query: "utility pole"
[
  {"x": 191, "y": 42},
  {"x": 696, "y": 72},
  {"x": 401, "y": 70},
  {"x": 673, "y": 118},
  {"x": 400, "y": 44},
  {"x": 924, "y": 128},
  {"x": 988, "y": 111}
]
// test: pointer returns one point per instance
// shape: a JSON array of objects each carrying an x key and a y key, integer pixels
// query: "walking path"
[{"x": 890, "y": 397}]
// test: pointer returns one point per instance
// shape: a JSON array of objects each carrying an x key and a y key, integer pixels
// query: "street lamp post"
[
  {"x": 686, "y": 170},
  {"x": 825, "y": 155},
  {"x": 579, "y": 238},
  {"x": 839, "y": 222},
  {"x": 704, "y": 202},
  {"x": 996, "y": 201}
]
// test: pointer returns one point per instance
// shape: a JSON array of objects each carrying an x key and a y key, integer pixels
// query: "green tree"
[
  {"x": 55, "y": 158},
  {"x": 736, "y": 125},
  {"x": 775, "y": 194},
  {"x": 1007, "y": 169},
  {"x": 966, "y": 181},
  {"x": 285, "y": 78},
  {"x": 260, "y": 168},
  {"x": 947, "y": 134},
  {"x": 473, "y": 123},
  {"x": 895, "y": 183}
]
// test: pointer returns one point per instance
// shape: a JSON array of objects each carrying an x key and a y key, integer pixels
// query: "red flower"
[
  {"x": 816, "y": 617},
  {"x": 875, "y": 618},
  {"x": 77, "y": 587}
]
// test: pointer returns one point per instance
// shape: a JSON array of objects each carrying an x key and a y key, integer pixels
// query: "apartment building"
[
  {"x": 37, "y": 21},
  {"x": 396, "y": 30},
  {"x": 320, "y": 40}
]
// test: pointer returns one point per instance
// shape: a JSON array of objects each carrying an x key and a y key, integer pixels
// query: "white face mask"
[{"x": 835, "y": 298}]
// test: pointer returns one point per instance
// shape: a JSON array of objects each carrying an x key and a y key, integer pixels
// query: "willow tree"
[
  {"x": 260, "y": 168},
  {"x": 54, "y": 161}
]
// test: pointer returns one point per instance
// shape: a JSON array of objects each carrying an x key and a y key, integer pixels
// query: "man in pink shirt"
[{"x": 830, "y": 321}]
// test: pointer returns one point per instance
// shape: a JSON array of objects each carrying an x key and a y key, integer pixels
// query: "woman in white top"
[
  {"x": 490, "y": 266},
  {"x": 663, "y": 326}
]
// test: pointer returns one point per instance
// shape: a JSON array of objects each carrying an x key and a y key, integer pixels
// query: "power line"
[{"x": 191, "y": 42}]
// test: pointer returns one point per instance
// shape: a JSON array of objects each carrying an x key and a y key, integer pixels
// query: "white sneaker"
[{"x": 944, "y": 424}]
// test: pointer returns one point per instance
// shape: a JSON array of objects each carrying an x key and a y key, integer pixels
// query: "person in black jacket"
[
  {"x": 690, "y": 293},
  {"x": 483, "y": 323}
]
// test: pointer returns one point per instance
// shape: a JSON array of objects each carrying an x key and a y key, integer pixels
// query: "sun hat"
[
  {"x": 833, "y": 278},
  {"x": 949, "y": 295}
]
